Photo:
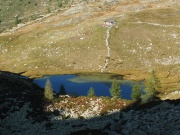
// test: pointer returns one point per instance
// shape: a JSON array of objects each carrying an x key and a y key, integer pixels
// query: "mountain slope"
[{"x": 145, "y": 37}]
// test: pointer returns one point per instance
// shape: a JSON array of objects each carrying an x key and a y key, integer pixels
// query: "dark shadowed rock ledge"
[
  {"x": 16, "y": 91},
  {"x": 21, "y": 113}
]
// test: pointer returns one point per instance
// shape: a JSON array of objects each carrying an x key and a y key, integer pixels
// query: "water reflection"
[{"x": 80, "y": 84}]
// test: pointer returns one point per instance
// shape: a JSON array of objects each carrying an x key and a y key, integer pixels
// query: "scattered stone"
[{"x": 159, "y": 118}]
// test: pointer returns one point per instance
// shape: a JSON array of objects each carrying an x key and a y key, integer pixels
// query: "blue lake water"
[{"x": 80, "y": 84}]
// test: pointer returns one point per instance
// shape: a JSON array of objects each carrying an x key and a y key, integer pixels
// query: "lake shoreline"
[
  {"x": 169, "y": 81},
  {"x": 79, "y": 85}
]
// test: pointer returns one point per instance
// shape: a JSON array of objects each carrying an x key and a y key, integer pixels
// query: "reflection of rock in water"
[
  {"x": 117, "y": 77},
  {"x": 108, "y": 84},
  {"x": 79, "y": 85},
  {"x": 73, "y": 94}
]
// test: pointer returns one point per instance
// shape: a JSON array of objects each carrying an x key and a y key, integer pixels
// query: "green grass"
[{"x": 26, "y": 10}]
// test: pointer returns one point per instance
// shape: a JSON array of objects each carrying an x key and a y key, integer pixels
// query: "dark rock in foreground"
[
  {"x": 16, "y": 91},
  {"x": 21, "y": 112},
  {"x": 158, "y": 118}
]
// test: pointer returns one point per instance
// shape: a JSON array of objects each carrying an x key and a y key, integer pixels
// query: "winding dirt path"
[
  {"x": 108, "y": 49},
  {"x": 156, "y": 24}
]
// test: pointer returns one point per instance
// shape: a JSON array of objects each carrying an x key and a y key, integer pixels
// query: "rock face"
[
  {"x": 162, "y": 119},
  {"x": 16, "y": 92}
]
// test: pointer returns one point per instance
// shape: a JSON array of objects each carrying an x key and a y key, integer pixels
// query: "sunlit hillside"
[{"x": 74, "y": 39}]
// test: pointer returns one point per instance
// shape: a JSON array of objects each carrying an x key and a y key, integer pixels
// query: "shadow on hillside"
[
  {"x": 16, "y": 90},
  {"x": 115, "y": 122}
]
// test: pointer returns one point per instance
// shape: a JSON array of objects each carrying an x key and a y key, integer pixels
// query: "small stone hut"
[{"x": 109, "y": 22}]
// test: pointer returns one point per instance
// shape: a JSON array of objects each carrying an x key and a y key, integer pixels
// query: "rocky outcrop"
[
  {"x": 20, "y": 104},
  {"x": 162, "y": 119},
  {"x": 16, "y": 91},
  {"x": 85, "y": 107}
]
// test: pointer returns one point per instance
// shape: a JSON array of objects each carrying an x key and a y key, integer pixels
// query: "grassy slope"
[
  {"x": 76, "y": 43},
  {"x": 27, "y": 10},
  {"x": 146, "y": 45}
]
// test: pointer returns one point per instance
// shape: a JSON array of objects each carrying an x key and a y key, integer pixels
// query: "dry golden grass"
[{"x": 48, "y": 47}]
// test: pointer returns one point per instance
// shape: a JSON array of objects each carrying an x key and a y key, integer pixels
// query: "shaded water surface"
[{"x": 80, "y": 84}]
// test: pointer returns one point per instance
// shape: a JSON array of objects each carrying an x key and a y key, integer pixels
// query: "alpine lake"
[{"x": 79, "y": 84}]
